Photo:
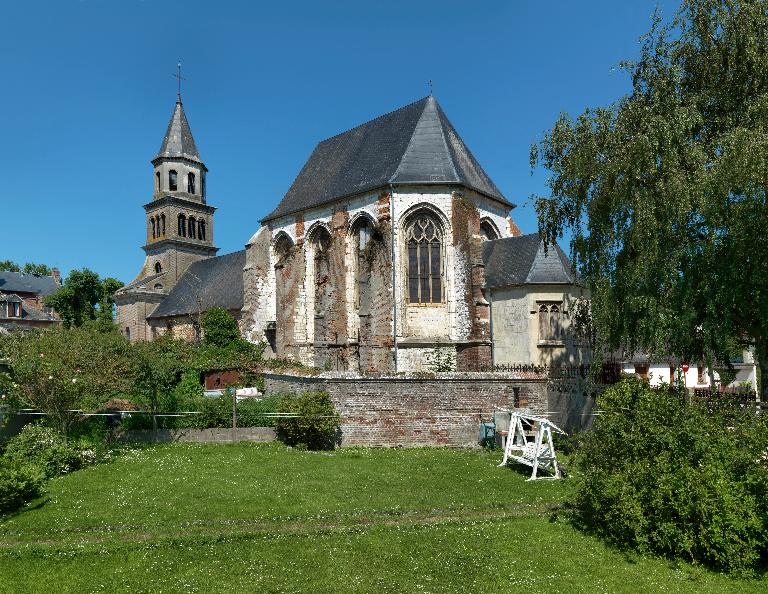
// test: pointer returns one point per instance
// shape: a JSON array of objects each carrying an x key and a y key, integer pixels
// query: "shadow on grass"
[{"x": 35, "y": 505}]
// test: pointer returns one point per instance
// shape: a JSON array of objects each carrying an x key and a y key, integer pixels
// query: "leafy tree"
[
  {"x": 29, "y": 268},
  {"x": 82, "y": 291},
  {"x": 219, "y": 328},
  {"x": 9, "y": 266},
  {"x": 664, "y": 192},
  {"x": 61, "y": 372},
  {"x": 157, "y": 367}
]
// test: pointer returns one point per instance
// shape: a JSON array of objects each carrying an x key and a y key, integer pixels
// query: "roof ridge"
[{"x": 384, "y": 115}]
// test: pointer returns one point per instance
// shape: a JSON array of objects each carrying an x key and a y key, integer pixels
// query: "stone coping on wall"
[{"x": 454, "y": 376}]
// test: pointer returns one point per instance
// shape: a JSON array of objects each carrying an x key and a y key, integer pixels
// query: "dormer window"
[
  {"x": 14, "y": 309},
  {"x": 172, "y": 183},
  {"x": 191, "y": 183}
]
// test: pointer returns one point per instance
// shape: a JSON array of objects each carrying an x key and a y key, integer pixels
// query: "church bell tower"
[{"x": 179, "y": 226}]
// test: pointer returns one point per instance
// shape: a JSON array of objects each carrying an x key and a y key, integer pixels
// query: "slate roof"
[
  {"x": 178, "y": 140},
  {"x": 414, "y": 144},
  {"x": 522, "y": 261},
  {"x": 217, "y": 282},
  {"x": 24, "y": 282}
]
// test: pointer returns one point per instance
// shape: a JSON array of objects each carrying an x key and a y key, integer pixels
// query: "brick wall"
[{"x": 409, "y": 411}]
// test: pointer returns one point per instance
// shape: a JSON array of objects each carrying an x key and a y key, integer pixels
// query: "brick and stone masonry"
[{"x": 411, "y": 410}]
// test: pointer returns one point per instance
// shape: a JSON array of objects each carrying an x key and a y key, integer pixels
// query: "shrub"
[
  {"x": 219, "y": 328},
  {"x": 43, "y": 447},
  {"x": 18, "y": 484},
  {"x": 316, "y": 425},
  {"x": 668, "y": 478}
]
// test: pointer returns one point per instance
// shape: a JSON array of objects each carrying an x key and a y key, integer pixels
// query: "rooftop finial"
[
  {"x": 430, "y": 87},
  {"x": 180, "y": 78}
]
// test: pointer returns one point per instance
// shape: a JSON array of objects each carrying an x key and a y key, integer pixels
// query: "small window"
[
  {"x": 642, "y": 371},
  {"x": 158, "y": 268},
  {"x": 201, "y": 229},
  {"x": 191, "y": 183},
  {"x": 202, "y": 185},
  {"x": 128, "y": 333},
  {"x": 14, "y": 310},
  {"x": 172, "y": 185},
  {"x": 182, "y": 225},
  {"x": 158, "y": 286},
  {"x": 488, "y": 231},
  {"x": 550, "y": 321},
  {"x": 192, "y": 227},
  {"x": 157, "y": 181}
]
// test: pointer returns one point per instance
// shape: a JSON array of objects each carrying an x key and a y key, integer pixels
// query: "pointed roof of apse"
[
  {"x": 523, "y": 260},
  {"x": 178, "y": 141},
  {"x": 415, "y": 144}
]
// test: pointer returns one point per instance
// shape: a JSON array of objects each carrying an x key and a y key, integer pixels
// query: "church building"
[{"x": 376, "y": 260}]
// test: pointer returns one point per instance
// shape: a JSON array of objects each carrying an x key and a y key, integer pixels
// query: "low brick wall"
[
  {"x": 413, "y": 410},
  {"x": 253, "y": 434}
]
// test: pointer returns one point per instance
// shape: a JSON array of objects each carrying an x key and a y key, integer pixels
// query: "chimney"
[{"x": 57, "y": 277}]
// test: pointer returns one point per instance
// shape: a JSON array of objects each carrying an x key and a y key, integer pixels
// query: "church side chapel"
[{"x": 376, "y": 260}]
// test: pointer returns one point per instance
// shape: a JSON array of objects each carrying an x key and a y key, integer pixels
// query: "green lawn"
[{"x": 186, "y": 518}]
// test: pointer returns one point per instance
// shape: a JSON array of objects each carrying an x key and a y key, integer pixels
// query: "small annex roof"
[
  {"x": 178, "y": 141},
  {"x": 523, "y": 260},
  {"x": 213, "y": 282},
  {"x": 415, "y": 144},
  {"x": 25, "y": 282}
]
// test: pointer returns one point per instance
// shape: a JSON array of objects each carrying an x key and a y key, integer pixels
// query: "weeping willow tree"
[{"x": 664, "y": 191}]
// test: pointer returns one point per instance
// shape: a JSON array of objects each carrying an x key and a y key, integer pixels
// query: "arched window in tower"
[
  {"x": 154, "y": 230},
  {"x": 488, "y": 231},
  {"x": 202, "y": 185},
  {"x": 182, "y": 226},
  {"x": 157, "y": 182},
  {"x": 201, "y": 229},
  {"x": 162, "y": 224},
  {"x": 172, "y": 183},
  {"x": 361, "y": 235},
  {"x": 424, "y": 243},
  {"x": 192, "y": 227},
  {"x": 191, "y": 183},
  {"x": 158, "y": 268}
]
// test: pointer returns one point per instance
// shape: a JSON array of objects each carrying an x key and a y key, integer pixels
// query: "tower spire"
[{"x": 179, "y": 79}]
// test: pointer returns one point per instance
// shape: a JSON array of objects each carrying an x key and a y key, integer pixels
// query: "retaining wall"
[
  {"x": 252, "y": 434},
  {"x": 412, "y": 410}
]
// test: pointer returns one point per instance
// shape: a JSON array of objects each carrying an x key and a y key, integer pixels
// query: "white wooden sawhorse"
[{"x": 539, "y": 453}]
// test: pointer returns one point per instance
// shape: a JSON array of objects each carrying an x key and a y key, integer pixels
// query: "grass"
[{"x": 201, "y": 518}]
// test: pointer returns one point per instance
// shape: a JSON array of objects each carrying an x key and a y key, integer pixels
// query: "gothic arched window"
[
  {"x": 192, "y": 226},
  {"x": 182, "y": 225},
  {"x": 191, "y": 183},
  {"x": 320, "y": 243},
  {"x": 158, "y": 268},
  {"x": 283, "y": 247},
  {"x": 162, "y": 225},
  {"x": 154, "y": 230},
  {"x": 361, "y": 235},
  {"x": 550, "y": 322},
  {"x": 488, "y": 231},
  {"x": 424, "y": 242},
  {"x": 172, "y": 184},
  {"x": 157, "y": 180},
  {"x": 201, "y": 229}
]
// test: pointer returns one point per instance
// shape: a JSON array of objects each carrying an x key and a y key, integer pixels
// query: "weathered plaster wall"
[{"x": 516, "y": 330}]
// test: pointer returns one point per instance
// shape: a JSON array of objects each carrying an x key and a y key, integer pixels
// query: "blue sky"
[{"x": 87, "y": 92}]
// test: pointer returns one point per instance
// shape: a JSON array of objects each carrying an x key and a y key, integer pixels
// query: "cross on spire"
[
  {"x": 430, "y": 87},
  {"x": 179, "y": 78}
]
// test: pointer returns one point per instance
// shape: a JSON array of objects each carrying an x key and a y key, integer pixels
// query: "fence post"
[{"x": 234, "y": 413}]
